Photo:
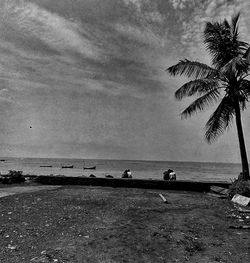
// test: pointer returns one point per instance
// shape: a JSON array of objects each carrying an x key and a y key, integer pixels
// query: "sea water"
[{"x": 197, "y": 171}]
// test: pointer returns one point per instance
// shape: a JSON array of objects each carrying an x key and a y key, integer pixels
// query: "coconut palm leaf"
[
  {"x": 244, "y": 91},
  {"x": 245, "y": 84},
  {"x": 191, "y": 69},
  {"x": 201, "y": 103},
  {"x": 247, "y": 55},
  {"x": 234, "y": 25},
  {"x": 221, "y": 40},
  {"x": 242, "y": 102},
  {"x": 219, "y": 120},
  {"x": 217, "y": 39},
  {"x": 198, "y": 86},
  {"x": 235, "y": 67},
  {"x": 242, "y": 46}
]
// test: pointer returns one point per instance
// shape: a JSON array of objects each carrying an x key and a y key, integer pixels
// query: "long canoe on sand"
[{"x": 68, "y": 166}]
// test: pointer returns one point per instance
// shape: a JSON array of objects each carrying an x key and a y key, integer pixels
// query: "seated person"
[
  {"x": 169, "y": 175},
  {"x": 127, "y": 174},
  {"x": 172, "y": 176},
  {"x": 166, "y": 175}
]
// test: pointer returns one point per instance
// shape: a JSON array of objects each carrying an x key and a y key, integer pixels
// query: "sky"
[{"x": 87, "y": 79}]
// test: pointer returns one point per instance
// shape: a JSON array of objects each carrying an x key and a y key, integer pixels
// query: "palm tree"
[{"x": 225, "y": 82}]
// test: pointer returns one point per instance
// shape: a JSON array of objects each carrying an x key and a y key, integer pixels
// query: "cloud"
[
  {"x": 142, "y": 35},
  {"x": 58, "y": 33},
  {"x": 179, "y": 4},
  {"x": 93, "y": 72},
  {"x": 5, "y": 98},
  {"x": 192, "y": 37}
]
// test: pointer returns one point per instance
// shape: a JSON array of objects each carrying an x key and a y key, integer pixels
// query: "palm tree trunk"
[{"x": 243, "y": 153}]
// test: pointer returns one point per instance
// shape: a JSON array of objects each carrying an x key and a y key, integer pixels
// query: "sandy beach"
[{"x": 95, "y": 224}]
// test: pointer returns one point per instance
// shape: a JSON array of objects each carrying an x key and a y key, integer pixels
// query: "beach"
[{"x": 96, "y": 224}]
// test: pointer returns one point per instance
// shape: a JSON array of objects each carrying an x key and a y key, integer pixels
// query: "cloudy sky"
[{"x": 86, "y": 78}]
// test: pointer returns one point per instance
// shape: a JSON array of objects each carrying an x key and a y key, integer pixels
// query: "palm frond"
[
  {"x": 191, "y": 69},
  {"x": 198, "y": 86},
  {"x": 201, "y": 103},
  {"x": 234, "y": 24},
  {"x": 244, "y": 93},
  {"x": 221, "y": 40},
  {"x": 235, "y": 67},
  {"x": 244, "y": 84},
  {"x": 247, "y": 55},
  {"x": 216, "y": 38},
  {"x": 219, "y": 120},
  {"x": 243, "y": 46},
  {"x": 243, "y": 102}
]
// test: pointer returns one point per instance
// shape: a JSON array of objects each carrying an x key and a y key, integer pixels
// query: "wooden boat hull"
[
  {"x": 69, "y": 166},
  {"x": 89, "y": 168}
]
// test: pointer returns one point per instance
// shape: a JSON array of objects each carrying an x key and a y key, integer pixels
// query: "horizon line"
[{"x": 111, "y": 159}]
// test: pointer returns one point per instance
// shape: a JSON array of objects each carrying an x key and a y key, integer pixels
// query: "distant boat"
[
  {"x": 89, "y": 168},
  {"x": 68, "y": 166},
  {"x": 45, "y": 165},
  {"x": 2, "y": 160}
]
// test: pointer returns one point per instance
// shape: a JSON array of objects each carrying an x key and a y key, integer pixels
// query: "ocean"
[{"x": 140, "y": 169}]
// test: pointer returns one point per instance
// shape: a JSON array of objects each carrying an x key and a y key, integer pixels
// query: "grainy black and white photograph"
[{"x": 124, "y": 131}]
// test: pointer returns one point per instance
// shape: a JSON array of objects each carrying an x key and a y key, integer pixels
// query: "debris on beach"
[
  {"x": 219, "y": 190},
  {"x": 217, "y": 195},
  {"x": 12, "y": 247},
  {"x": 163, "y": 198},
  {"x": 243, "y": 210},
  {"x": 240, "y": 187},
  {"x": 240, "y": 227},
  {"x": 241, "y": 200}
]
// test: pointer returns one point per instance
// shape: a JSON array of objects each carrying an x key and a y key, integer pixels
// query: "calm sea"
[{"x": 140, "y": 169}]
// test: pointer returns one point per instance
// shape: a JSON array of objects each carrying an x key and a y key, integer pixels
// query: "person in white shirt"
[
  {"x": 169, "y": 175},
  {"x": 127, "y": 174}
]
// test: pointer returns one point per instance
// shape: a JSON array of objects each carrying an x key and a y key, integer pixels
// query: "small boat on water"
[
  {"x": 2, "y": 160},
  {"x": 68, "y": 166},
  {"x": 45, "y": 165},
  {"x": 89, "y": 168}
]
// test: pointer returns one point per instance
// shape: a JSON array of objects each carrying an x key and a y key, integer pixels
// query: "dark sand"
[{"x": 95, "y": 224}]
